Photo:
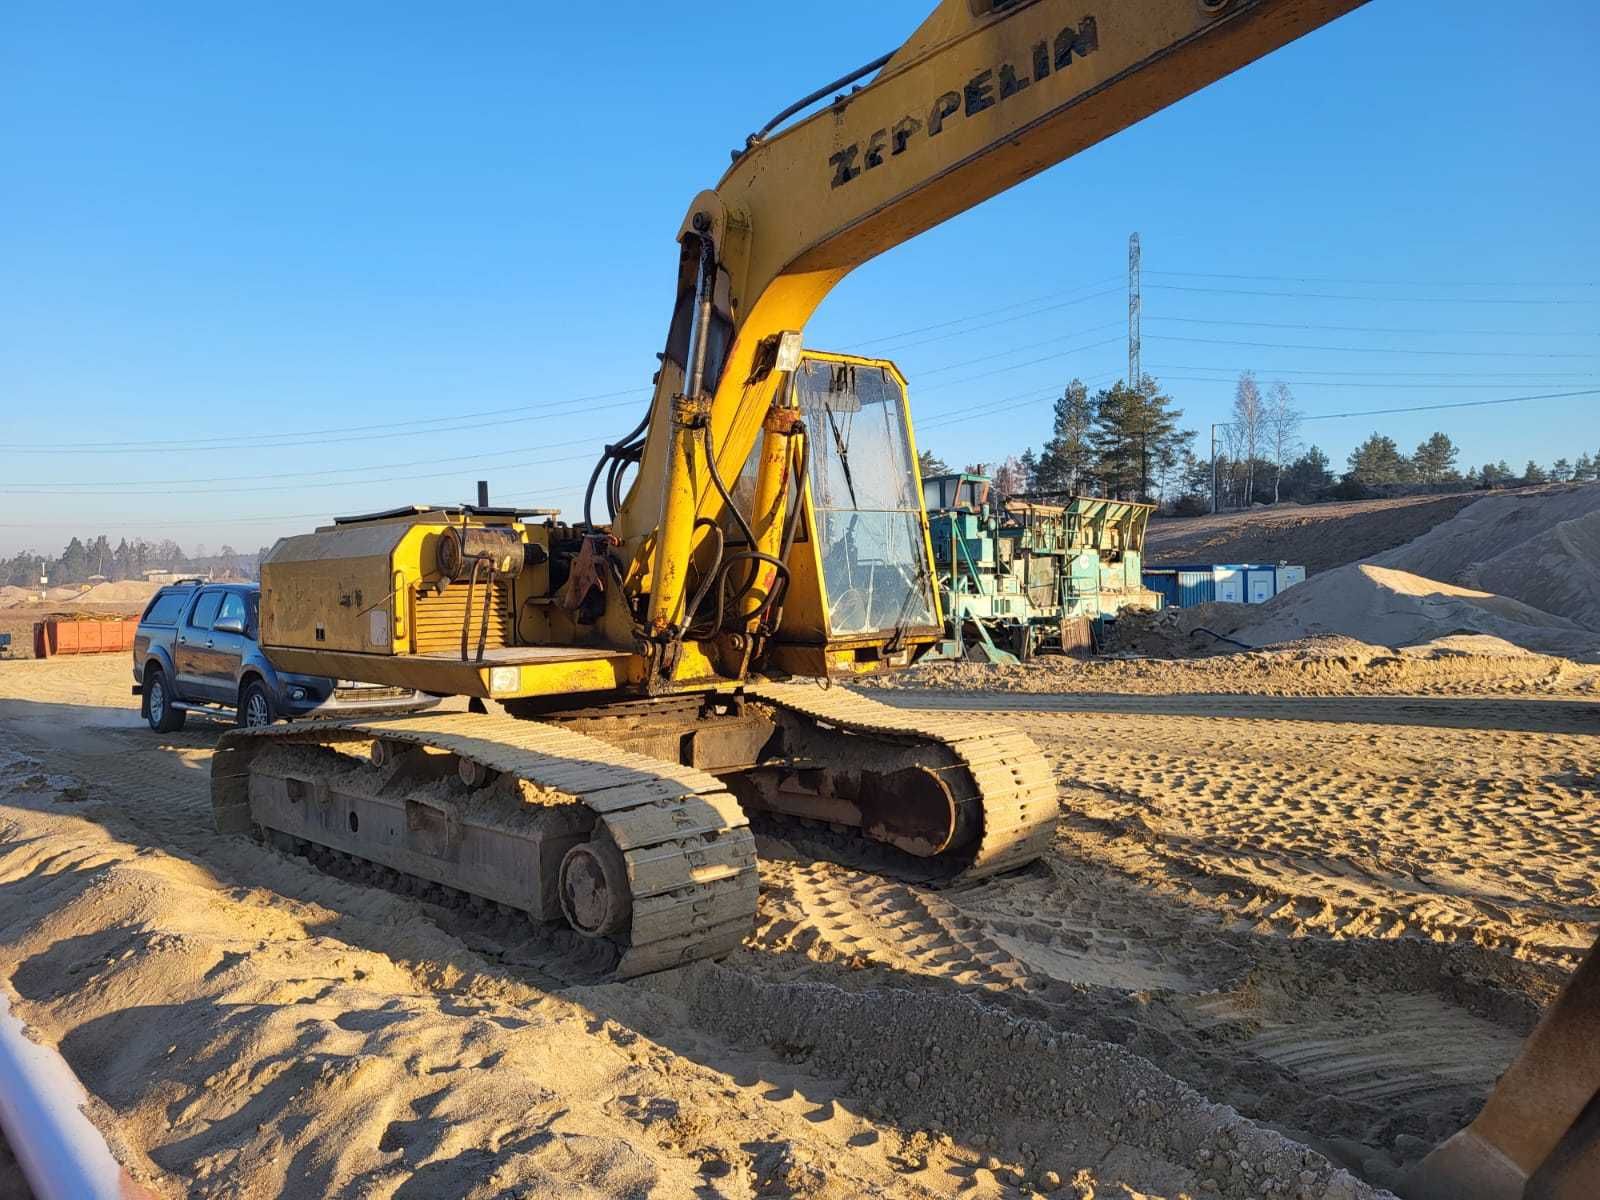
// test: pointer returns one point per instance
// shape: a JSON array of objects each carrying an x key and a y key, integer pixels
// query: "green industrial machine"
[{"x": 1026, "y": 574}]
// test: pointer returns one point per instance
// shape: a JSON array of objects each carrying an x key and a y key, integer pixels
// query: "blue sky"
[{"x": 329, "y": 221}]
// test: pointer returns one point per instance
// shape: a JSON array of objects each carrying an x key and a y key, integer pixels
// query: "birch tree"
[
  {"x": 1249, "y": 421},
  {"x": 1283, "y": 431}
]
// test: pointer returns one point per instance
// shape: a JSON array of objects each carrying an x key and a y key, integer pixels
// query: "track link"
[
  {"x": 1015, "y": 785},
  {"x": 688, "y": 852}
]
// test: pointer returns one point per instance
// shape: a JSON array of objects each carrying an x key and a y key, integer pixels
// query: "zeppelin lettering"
[{"x": 987, "y": 88}]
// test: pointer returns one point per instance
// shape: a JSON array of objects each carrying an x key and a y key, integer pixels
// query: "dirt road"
[{"x": 1335, "y": 916}]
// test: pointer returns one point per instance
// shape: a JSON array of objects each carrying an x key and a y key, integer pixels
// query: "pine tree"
[
  {"x": 1534, "y": 473},
  {"x": 930, "y": 464},
  {"x": 1068, "y": 455},
  {"x": 1435, "y": 459},
  {"x": 1378, "y": 460},
  {"x": 1135, "y": 437},
  {"x": 1561, "y": 470},
  {"x": 73, "y": 564},
  {"x": 1583, "y": 471},
  {"x": 1308, "y": 475},
  {"x": 1030, "y": 470}
]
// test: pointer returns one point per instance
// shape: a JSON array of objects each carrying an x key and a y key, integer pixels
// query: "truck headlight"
[{"x": 504, "y": 679}]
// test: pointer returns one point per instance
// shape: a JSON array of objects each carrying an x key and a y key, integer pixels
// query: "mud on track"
[{"x": 1330, "y": 919}]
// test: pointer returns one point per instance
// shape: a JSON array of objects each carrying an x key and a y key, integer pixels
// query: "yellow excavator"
[{"x": 762, "y": 524}]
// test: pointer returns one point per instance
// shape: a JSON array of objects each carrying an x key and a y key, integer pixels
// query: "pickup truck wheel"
[
  {"x": 163, "y": 717},
  {"x": 255, "y": 707}
]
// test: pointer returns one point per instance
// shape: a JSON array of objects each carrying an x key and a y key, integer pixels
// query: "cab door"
[
  {"x": 191, "y": 655},
  {"x": 226, "y": 647}
]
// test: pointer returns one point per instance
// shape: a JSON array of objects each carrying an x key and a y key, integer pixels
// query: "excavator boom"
[{"x": 984, "y": 95}]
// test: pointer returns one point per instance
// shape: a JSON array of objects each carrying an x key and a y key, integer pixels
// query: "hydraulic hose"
[{"x": 611, "y": 456}]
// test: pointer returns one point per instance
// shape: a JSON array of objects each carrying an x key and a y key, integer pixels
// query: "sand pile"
[
  {"x": 1396, "y": 608},
  {"x": 11, "y": 597},
  {"x": 1318, "y": 536},
  {"x": 126, "y": 591},
  {"x": 1540, "y": 547},
  {"x": 1174, "y": 632}
]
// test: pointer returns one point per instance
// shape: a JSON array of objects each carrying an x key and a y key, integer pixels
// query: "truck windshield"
[{"x": 864, "y": 494}]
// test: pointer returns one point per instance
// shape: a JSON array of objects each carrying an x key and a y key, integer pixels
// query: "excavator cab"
[{"x": 862, "y": 595}]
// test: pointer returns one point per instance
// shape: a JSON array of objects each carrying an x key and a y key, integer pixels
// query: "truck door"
[
  {"x": 226, "y": 651},
  {"x": 195, "y": 643}
]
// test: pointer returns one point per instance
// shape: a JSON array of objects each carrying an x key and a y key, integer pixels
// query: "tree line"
[
  {"x": 1127, "y": 443},
  {"x": 86, "y": 559}
]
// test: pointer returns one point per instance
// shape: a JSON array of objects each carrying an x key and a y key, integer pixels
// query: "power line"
[
  {"x": 1065, "y": 337},
  {"x": 1172, "y": 287},
  {"x": 1275, "y": 371},
  {"x": 1562, "y": 333},
  {"x": 1030, "y": 363},
  {"x": 1020, "y": 400},
  {"x": 282, "y": 487},
  {"x": 313, "y": 516},
  {"x": 1377, "y": 282},
  {"x": 1369, "y": 349},
  {"x": 388, "y": 466},
  {"x": 1385, "y": 412},
  {"x": 1387, "y": 387},
  {"x": 291, "y": 438},
  {"x": 893, "y": 337},
  {"x": 248, "y": 439},
  {"x": 324, "y": 441},
  {"x": 993, "y": 324}
]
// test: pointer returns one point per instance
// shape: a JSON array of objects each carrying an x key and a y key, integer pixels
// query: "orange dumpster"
[{"x": 83, "y": 635}]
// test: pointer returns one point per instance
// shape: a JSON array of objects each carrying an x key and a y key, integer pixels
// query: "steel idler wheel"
[{"x": 595, "y": 895}]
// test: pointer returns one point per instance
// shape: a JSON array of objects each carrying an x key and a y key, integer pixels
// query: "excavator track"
[
  {"x": 686, "y": 853},
  {"x": 1014, "y": 785}
]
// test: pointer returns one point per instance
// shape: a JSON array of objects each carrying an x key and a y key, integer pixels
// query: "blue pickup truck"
[{"x": 196, "y": 651}]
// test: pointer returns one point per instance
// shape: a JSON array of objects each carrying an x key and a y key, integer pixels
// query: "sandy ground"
[
  {"x": 1273, "y": 928},
  {"x": 12, "y": 1185},
  {"x": 1459, "y": 665}
]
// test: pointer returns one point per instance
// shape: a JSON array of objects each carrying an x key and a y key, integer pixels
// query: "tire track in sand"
[{"x": 1371, "y": 1051}]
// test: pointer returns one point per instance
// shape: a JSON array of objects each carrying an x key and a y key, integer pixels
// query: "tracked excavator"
[{"x": 653, "y": 668}]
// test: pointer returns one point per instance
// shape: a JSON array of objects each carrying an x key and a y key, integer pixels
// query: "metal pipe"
[
  {"x": 822, "y": 91},
  {"x": 702, "y": 317},
  {"x": 60, "y": 1151}
]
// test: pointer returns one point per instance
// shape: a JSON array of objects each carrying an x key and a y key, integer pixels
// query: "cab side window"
[
  {"x": 205, "y": 612},
  {"x": 233, "y": 609}
]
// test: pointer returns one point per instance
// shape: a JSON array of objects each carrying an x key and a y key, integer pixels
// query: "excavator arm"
[{"x": 985, "y": 94}]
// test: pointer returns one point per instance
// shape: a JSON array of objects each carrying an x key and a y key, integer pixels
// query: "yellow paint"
[{"x": 774, "y": 478}]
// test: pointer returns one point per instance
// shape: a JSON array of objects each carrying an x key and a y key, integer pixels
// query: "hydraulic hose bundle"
[{"x": 716, "y": 578}]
